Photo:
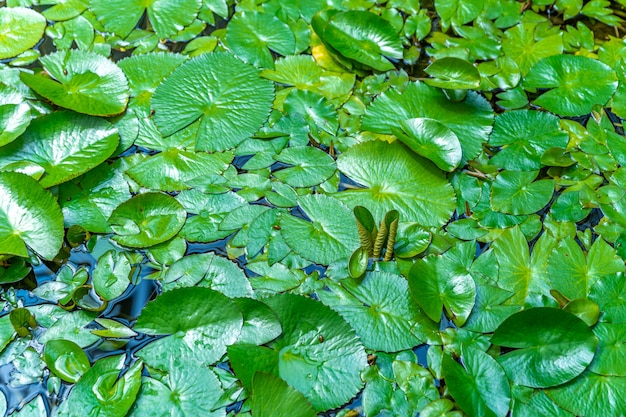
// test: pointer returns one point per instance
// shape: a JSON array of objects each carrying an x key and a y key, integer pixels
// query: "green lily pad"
[
  {"x": 452, "y": 73},
  {"x": 489, "y": 310},
  {"x": 527, "y": 43},
  {"x": 66, "y": 360},
  {"x": 226, "y": 96},
  {"x": 611, "y": 349},
  {"x": 271, "y": 396},
  {"x": 64, "y": 144},
  {"x": 103, "y": 389},
  {"x": 517, "y": 193},
  {"x": 251, "y": 36},
  {"x": 147, "y": 219},
  {"x": 432, "y": 140},
  {"x": 362, "y": 36},
  {"x": 187, "y": 389},
  {"x": 29, "y": 216},
  {"x": 381, "y": 311},
  {"x": 577, "y": 83},
  {"x": 329, "y": 236},
  {"x": 260, "y": 324},
  {"x": 83, "y": 81},
  {"x": 481, "y": 388},
  {"x": 591, "y": 395},
  {"x": 21, "y": 29},
  {"x": 396, "y": 179},
  {"x": 14, "y": 114},
  {"x": 444, "y": 281},
  {"x": 573, "y": 274},
  {"x": 209, "y": 271},
  {"x": 167, "y": 19},
  {"x": 199, "y": 322},
  {"x": 319, "y": 353},
  {"x": 311, "y": 166},
  {"x": 523, "y": 136},
  {"x": 551, "y": 347},
  {"x": 469, "y": 119},
  {"x": 111, "y": 276}
]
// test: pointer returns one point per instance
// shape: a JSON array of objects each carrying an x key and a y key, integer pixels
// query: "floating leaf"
[
  {"x": 147, "y": 219},
  {"x": 444, "y": 281},
  {"x": 111, "y": 276},
  {"x": 330, "y": 235},
  {"x": 325, "y": 369},
  {"x": 167, "y": 18},
  {"x": 577, "y": 83},
  {"x": 14, "y": 113},
  {"x": 199, "y": 322},
  {"x": 481, "y": 389},
  {"x": 381, "y": 311},
  {"x": 272, "y": 396},
  {"x": 29, "y": 215},
  {"x": 83, "y": 81},
  {"x": 524, "y": 136},
  {"x": 396, "y": 180},
  {"x": 66, "y": 360},
  {"x": 311, "y": 166},
  {"x": 432, "y": 140},
  {"x": 251, "y": 36},
  {"x": 526, "y": 43},
  {"x": 103, "y": 389},
  {"x": 551, "y": 346},
  {"x": 260, "y": 324},
  {"x": 362, "y": 36},
  {"x": 452, "y": 73},
  {"x": 611, "y": 349},
  {"x": 227, "y": 97},
  {"x": 518, "y": 192},
  {"x": 21, "y": 30},
  {"x": 64, "y": 144},
  {"x": 469, "y": 119}
]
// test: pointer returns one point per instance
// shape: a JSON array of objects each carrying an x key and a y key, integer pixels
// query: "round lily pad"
[
  {"x": 319, "y": 353},
  {"x": 470, "y": 119},
  {"x": 271, "y": 396},
  {"x": 29, "y": 215},
  {"x": 226, "y": 96},
  {"x": 517, "y": 193},
  {"x": 83, "y": 81},
  {"x": 64, "y": 144},
  {"x": 331, "y": 234},
  {"x": 66, "y": 360},
  {"x": 20, "y": 29},
  {"x": 551, "y": 346},
  {"x": 396, "y": 179},
  {"x": 311, "y": 166},
  {"x": 452, "y": 73},
  {"x": 14, "y": 114},
  {"x": 147, "y": 219},
  {"x": 576, "y": 84},
  {"x": 381, "y": 311}
]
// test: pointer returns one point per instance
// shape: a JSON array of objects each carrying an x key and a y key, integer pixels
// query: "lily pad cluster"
[{"x": 376, "y": 208}]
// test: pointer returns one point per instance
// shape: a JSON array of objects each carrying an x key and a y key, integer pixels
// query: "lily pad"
[
  {"x": 432, "y": 140},
  {"x": 199, "y": 322},
  {"x": 330, "y": 235},
  {"x": 64, "y": 144},
  {"x": 103, "y": 390},
  {"x": 469, "y": 119},
  {"x": 20, "y": 30},
  {"x": 147, "y": 219},
  {"x": 439, "y": 281},
  {"x": 260, "y": 324},
  {"x": 518, "y": 193},
  {"x": 481, "y": 389},
  {"x": 396, "y": 179},
  {"x": 452, "y": 73},
  {"x": 66, "y": 360},
  {"x": 187, "y": 389},
  {"x": 167, "y": 18},
  {"x": 14, "y": 114},
  {"x": 83, "y": 81},
  {"x": 226, "y": 96},
  {"x": 29, "y": 216},
  {"x": 319, "y": 353},
  {"x": 523, "y": 136},
  {"x": 577, "y": 83},
  {"x": 271, "y": 396},
  {"x": 311, "y": 166},
  {"x": 381, "y": 311},
  {"x": 251, "y": 36},
  {"x": 362, "y": 36},
  {"x": 551, "y": 346}
]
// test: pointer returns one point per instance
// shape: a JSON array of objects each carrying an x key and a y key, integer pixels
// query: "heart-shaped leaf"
[{"x": 21, "y": 30}]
